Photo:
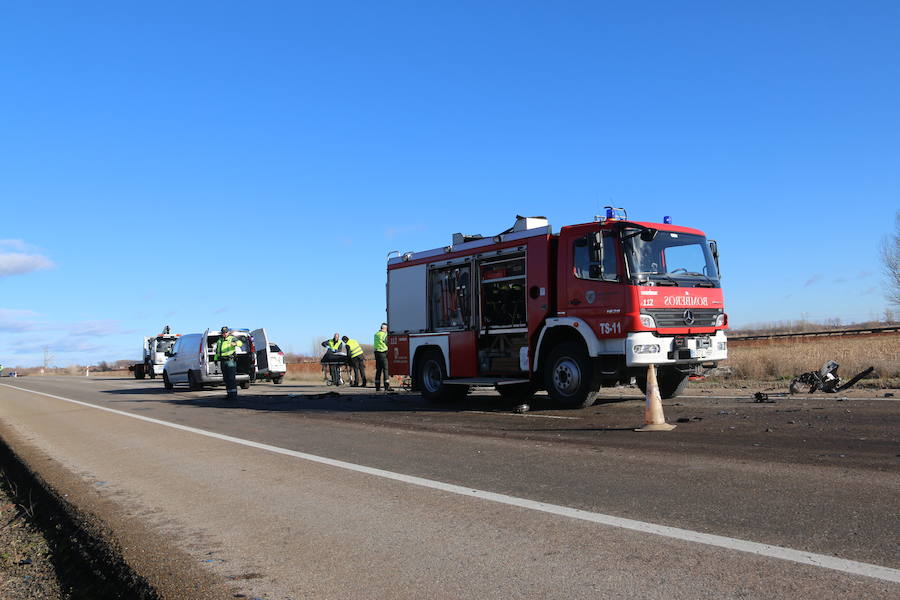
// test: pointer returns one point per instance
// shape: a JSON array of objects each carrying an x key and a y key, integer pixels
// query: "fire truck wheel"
[
  {"x": 166, "y": 383},
  {"x": 152, "y": 375},
  {"x": 569, "y": 376},
  {"x": 431, "y": 375},
  {"x": 671, "y": 382}
]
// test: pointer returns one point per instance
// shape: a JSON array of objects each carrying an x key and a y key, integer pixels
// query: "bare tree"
[{"x": 890, "y": 262}]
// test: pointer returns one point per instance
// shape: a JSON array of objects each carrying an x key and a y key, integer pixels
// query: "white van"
[
  {"x": 269, "y": 358},
  {"x": 192, "y": 360}
]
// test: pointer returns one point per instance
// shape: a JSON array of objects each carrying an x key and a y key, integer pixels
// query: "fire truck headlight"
[
  {"x": 722, "y": 320},
  {"x": 646, "y": 348},
  {"x": 722, "y": 346},
  {"x": 647, "y": 321}
]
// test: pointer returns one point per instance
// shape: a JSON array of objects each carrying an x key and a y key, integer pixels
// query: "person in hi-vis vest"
[
  {"x": 357, "y": 360},
  {"x": 226, "y": 349},
  {"x": 381, "y": 361}
]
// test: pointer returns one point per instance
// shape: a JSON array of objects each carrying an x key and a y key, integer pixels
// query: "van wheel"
[
  {"x": 569, "y": 376},
  {"x": 431, "y": 375},
  {"x": 166, "y": 383},
  {"x": 245, "y": 385},
  {"x": 193, "y": 384},
  {"x": 671, "y": 382}
]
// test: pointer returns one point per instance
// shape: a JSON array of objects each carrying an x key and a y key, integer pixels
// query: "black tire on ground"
[
  {"x": 152, "y": 375},
  {"x": 517, "y": 391},
  {"x": 569, "y": 376},
  {"x": 193, "y": 383},
  {"x": 431, "y": 374},
  {"x": 245, "y": 385},
  {"x": 166, "y": 383},
  {"x": 671, "y": 382},
  {"x": 138, "y": 371},
  {"x": 277, "y": 380}
]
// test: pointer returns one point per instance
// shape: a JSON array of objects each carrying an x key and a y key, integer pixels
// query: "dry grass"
[{"x": 785, "y": 359}]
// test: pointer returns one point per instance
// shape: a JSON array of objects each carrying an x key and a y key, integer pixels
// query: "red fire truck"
[{"x": 589, "y": 307}]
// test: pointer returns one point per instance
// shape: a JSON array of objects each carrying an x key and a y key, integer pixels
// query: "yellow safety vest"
[
  {"x": 381, "y": 341},
  {"x": 355, "y": 348},
  {"x": 227, "y": 346},
  {"x": 335, "y": 345}
]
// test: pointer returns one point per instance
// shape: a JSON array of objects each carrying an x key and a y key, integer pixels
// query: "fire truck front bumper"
[{"x": 649, "y": 348}]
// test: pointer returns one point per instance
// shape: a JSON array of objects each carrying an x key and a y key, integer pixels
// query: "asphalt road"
[{"x": 473, "y": 500}]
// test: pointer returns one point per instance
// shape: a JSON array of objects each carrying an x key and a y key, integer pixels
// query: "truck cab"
[{"x": 647, "y": 293}]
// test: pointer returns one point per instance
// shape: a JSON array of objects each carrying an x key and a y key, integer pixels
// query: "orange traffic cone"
[{"x": 654, "y": 419}]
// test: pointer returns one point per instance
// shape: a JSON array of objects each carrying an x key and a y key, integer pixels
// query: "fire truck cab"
[{"x": 527, "y": 309}]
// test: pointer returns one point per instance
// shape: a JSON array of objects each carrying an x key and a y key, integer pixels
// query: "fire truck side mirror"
[
  {"x": 596, "y": 248},
  {"x": 714, "y": 248},
  {"x": 649, "y": 234}
]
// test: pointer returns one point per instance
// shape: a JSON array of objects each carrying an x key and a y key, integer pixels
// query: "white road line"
[{"x": 798, "y": 556}]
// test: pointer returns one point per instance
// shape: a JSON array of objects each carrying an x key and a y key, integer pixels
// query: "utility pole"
[{"x": 47, "y": 358}]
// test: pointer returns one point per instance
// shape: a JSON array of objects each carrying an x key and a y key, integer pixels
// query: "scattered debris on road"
[{"x": 763, "y": 398}]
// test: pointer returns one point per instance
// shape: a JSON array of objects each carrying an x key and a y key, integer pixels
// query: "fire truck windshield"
[{"x": 679, "y": 259}]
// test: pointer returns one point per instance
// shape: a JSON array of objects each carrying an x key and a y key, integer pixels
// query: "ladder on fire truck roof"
[{"x": 524, "y": 228}]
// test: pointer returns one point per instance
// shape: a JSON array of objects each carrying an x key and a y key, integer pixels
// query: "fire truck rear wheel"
[
  {"x": 569, "y": 376},
  {"x": 671, "y": 382},
  {"x": 431, "y": 375}
]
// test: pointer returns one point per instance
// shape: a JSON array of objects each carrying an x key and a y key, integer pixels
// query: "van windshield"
[{"x": 674, "y": 259}]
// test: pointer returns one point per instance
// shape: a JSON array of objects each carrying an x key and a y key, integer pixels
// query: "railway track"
[{"x": 824, "y": 333}]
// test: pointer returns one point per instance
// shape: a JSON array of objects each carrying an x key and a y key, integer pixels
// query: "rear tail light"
[{"x": 281, "y": 354}]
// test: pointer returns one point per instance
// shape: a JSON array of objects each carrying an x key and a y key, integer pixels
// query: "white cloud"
[
  {"x": 18, "y": 257},
  {"x": 15, "y": 245},
  {"x": 12, "y": 319}
]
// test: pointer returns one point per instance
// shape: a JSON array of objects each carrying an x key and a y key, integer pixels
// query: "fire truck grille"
[{"x": 676, "y": 317}]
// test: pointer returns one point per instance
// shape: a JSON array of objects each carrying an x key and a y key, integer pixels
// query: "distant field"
[{"x": 781, "y": 359}]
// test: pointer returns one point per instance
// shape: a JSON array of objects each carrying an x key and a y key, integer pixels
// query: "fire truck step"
[{"x": 485, "y": 381}]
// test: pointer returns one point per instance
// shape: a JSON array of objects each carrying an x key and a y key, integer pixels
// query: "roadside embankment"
[{"x": 51, "y": 549}]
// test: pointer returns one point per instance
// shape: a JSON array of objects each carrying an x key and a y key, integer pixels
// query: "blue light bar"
[
  {"x": 616, "y": 214},
  {"x": 667, "y": 220}
]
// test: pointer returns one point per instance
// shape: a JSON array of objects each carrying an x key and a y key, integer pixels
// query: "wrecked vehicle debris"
[{"x": 825, "y": 379}]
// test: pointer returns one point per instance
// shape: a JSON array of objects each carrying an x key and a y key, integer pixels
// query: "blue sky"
[{"x": 201, "y": 164}]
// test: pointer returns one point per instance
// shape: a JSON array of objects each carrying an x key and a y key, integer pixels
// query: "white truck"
[{"x": 155, "y": 349}]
